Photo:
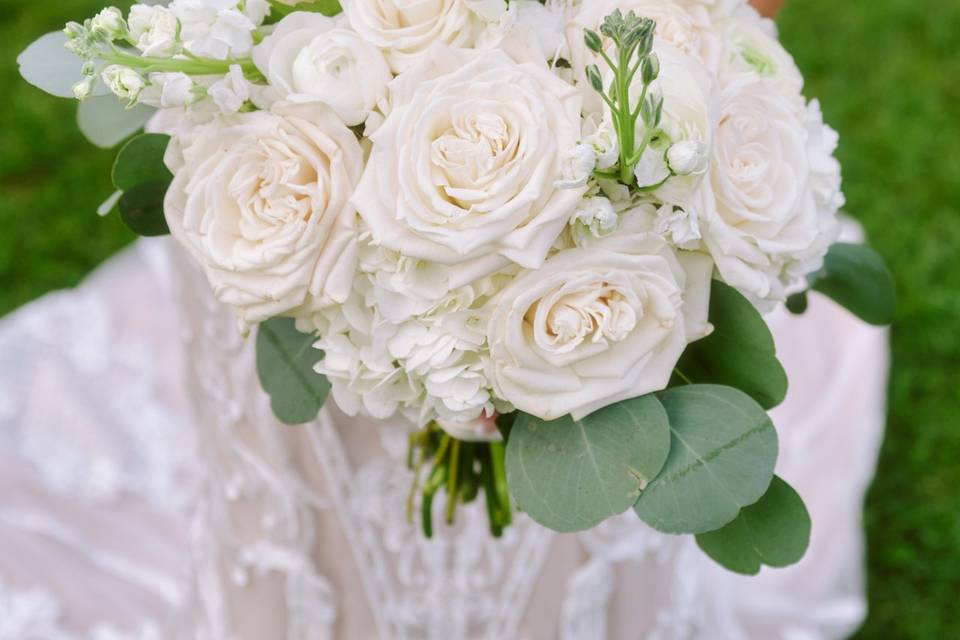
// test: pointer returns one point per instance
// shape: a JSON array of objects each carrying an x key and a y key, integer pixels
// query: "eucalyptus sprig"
[{"x": 632, "y": 39}]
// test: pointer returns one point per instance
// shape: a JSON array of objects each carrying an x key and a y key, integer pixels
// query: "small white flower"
[
  {"x": 83, "y": 89},
  {"x": 680, "y": 227},
  {"x": 605, "y": 143},
  {"x": 577, "y": 166},
  {"x": 110, "y": 22},
  {"x": 124, "y": 82},
  {"x": 652, "y": 169},
  {"x": 232, "y": 92},
  {"x": 214, "y": 28},
  {"x": 596, "y": 215},
  {"x": 176, "y": 89},
  {"x": 688, "y": 157},
  {"x": 154, "y": 29}
]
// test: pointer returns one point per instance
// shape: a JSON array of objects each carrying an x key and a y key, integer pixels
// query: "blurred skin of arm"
[{"x": 768, "y": 8}]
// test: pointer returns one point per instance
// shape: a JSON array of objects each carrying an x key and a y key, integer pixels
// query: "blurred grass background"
[{"x": 888, "y": 75}]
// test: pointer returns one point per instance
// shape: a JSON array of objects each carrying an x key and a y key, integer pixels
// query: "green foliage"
[
  {"x": 856, "y": 277},
  {"x": 278, "y": 10},
  {"x": 774, "y": 531},
  {"x": 48, "y": 66},
  {"x": 570, "y": 475},
  {"x": 285, "y": 362},
  {"x": 106, "y": 121},
  {"x": 721, "y": 459},
  {"x": 739, "y": 353},
  {"x": 141, "y": 161},
  {"x": 140, "y": 173}
]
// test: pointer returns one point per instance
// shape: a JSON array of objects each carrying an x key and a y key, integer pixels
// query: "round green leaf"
[
  {"x": 141, "y": 209},
  {"x": 722, "y": 455},
  {"x": 740, "y": 352},
  {"x": 285, "y": 366},
  {"x": 47, "y": 65},
  {"x": 141, "y": 161},
  {"x": 106, "y": 121},
  {"x": 856, "y": 277},
  {"x": 774, "y": 531},
  {"x": 570, "y": 475}
]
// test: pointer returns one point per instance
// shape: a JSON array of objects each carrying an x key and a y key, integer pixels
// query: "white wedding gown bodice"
[{"x": 147, "y": 492}]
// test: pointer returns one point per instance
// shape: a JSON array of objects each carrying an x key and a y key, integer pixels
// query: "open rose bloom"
[{"x": 559, "y": 220}]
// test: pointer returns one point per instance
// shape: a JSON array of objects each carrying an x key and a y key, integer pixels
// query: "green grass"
[{"x": 888, "y": 75}]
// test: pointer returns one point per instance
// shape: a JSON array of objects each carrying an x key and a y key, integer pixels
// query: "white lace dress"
[{"x": 147, "y": 492}]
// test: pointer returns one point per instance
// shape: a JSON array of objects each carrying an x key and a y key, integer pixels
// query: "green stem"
[
  {"x": 453, "y": 481},
  {"x": 191, "y": 66}
]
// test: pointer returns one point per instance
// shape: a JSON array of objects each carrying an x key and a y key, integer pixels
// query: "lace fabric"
[{"x": 302, "y": 532}]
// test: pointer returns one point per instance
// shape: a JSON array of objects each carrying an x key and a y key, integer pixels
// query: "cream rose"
[
  {"x": 465, "y": 170},
  {"x": 596, "y": 325},
  {"x": 761, "y": 215},
  {"x": 261, "y": 200},
  {"x": 752, "y": 46},
  {"x": 309, "y": 58},
  {"x": 405, "y": 30}
]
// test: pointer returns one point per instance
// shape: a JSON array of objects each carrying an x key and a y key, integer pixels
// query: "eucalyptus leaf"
[
  {"x": 141, "y": 209},
  {"x": 141, "y": 161},
  {"x": 570, "y": 475},
  {"x": 278, "y": 10},
  {"x": 775, "y": 531},
  {"x": 106, "y": 121},
  {"x": 722, "y": 456},
  {"x": 856, "y": 277},
  {"x": 285, "y": 366},
  {"x": 47, "y": 65},
  {"x": 740, "y": 352}
]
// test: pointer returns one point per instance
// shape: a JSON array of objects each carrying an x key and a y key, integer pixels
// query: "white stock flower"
[
  {"x": 596, "y": 325},
  {"x": 688, "y": 157},
  {"x": 540, "y": 25},
  {"x": 261, "y": 201},
  {"x": 109, "y": 22},
  {"x": 169, "y": 90},
  {"x": 686, "y": 25},
  {"x": 214, "y": 28},
  {"x": 463, "y": 171},
  {"x": 124, "y": 82},
  {"x": 231, "y": 92},
  {"x": 308, "y": 57},
  {"x": 405, "y": 30},
  {"x": 603, "y": 138},
  {"x": 596, "y": 215},
  {"x": 678, "y": 226},
  {"x": 763, "y": 216},
  {"x": 155, "y": 30}
]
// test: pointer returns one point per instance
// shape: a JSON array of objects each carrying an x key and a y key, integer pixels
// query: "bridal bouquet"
[{"x": 542, "y": 232}]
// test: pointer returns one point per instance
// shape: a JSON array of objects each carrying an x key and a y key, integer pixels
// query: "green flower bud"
[
  {"x": 650, "y": 69},
  {"x": 593, "y": 41},
  {"x": 593, "y": 76}
]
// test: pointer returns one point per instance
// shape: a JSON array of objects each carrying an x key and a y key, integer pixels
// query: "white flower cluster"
[{"x": 430, "y": 187}]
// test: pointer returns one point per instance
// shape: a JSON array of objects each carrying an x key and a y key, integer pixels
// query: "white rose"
[
  {"x": 308, "y": 57},
  {"x": 262, "y": 202},
  {"x": 463, "y": 171},
  {"x": 752, "y": 47},
  {"x": 405, "y": 30},
  {"x": 154, "y": 29},
  {"x": 762, "y": 215},
  {"x": 596, "y": 325}
]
